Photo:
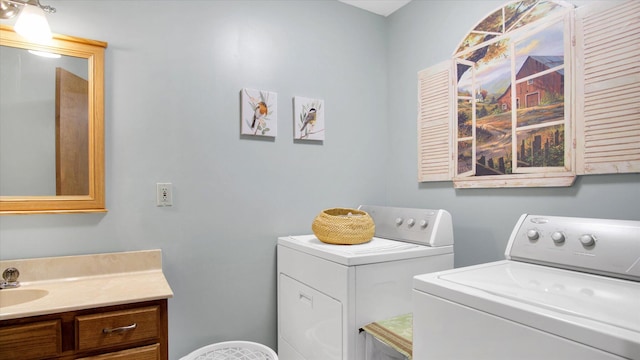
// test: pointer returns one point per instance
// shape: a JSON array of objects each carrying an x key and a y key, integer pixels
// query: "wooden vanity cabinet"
[{"x": 132, "y": 331}]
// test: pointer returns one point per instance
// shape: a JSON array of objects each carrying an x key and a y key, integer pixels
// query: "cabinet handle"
[
  {"x": 306, "y": 298},
  {"x": 119, "y": 329}
]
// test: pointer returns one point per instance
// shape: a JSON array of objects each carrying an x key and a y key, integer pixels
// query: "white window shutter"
[
  {"x": 607, "y": 88},
  {"x": 435, "y": 119}
]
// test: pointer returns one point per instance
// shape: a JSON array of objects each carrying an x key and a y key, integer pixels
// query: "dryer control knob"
[
  {"x": 423, "y": 223},
  {"x": 411, "y": 222},
  {"x": 533, "y": 234},
  {"x": 399, "y": 221},
  {"x": 558, "y": 237},
  {"x": 588, "y": 240}
]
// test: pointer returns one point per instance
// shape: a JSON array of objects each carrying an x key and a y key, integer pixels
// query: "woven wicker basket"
[{"x": 343, "y": 226}]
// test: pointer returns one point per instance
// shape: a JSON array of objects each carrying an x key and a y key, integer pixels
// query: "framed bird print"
[
  {"x": 259, "y": 114},
  {"x": 308, "y": 122}
]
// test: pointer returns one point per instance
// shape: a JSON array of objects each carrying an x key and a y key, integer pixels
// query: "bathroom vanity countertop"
[{"x": 86, "y": 281}]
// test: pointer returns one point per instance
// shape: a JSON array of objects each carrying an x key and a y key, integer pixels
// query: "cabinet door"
[
  {"x": 151, "y": 352},
  {"x": 310, "y": 321},
  {"x": 37, "y": 340}
]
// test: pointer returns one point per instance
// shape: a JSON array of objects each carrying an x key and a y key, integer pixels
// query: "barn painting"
[
  {"x": 492, "y": 117},
  {"x": 533, "y": 92}
]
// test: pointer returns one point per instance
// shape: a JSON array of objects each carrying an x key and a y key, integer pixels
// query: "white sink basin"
[{"x": 11, "y": 297}]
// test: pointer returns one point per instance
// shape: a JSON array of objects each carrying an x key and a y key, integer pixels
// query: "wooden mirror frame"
[{"x": 93, "y": 51}]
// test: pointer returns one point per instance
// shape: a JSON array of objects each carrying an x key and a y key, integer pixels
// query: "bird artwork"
[
  {"x": 310, "y": 119},
  {"x": 259, "y": 116},
  {"x": 261, "y": 112}
]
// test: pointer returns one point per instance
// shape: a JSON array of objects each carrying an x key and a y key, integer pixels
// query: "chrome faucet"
[{"x": 10, "y": 276}]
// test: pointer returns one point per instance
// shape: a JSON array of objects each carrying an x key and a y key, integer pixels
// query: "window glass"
[{"x": 511, "y": 86}]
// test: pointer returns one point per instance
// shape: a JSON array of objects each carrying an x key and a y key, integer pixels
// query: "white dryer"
[
  {"x": 569, "y": 289},
  {"x": 326, "y": 292}
]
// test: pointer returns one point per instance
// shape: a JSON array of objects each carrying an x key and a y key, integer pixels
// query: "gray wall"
[
  {"x": 174, "y": 71},
  {"x": 173, "y": 77}
]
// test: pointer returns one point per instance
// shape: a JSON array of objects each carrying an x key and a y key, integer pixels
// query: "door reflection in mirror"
[{"x": 43, "y": 124}]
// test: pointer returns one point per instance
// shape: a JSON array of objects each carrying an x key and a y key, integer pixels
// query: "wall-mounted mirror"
[{"x": 51, "y": 125}]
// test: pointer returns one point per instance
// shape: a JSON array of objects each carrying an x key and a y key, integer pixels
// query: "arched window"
[{"x": 502, "y": 113}]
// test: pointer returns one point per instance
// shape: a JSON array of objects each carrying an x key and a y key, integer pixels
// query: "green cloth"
[{"x": 396, "y": 332}]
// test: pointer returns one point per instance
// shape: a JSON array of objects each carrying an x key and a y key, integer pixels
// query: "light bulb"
[
  {"x": 45, "y": 54},
  {"x": 33, "y": 25}
]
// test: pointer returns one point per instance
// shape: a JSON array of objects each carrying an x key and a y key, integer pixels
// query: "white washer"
[
  {"x": 326, "y": 292},
  {"x": 569, "y": 289}
]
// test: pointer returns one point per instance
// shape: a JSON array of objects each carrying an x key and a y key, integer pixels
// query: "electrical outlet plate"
[{"x": 164, "y": 195}]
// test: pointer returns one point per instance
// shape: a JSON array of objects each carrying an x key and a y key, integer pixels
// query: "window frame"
[
  {"x": 520, "y": 176},
  {"x": 601, "y": 81}
]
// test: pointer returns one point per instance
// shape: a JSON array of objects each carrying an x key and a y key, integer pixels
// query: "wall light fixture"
[{"x": 31, "y": 23}]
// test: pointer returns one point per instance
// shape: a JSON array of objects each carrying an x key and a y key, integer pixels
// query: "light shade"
[
  {"x": 45, "y": 54},
  {"x": 32, "y": 25}
]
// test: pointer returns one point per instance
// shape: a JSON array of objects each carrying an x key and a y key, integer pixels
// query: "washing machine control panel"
[
  {"x": 420, "y": 226},
  {"x": 601, "y": 246}
]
